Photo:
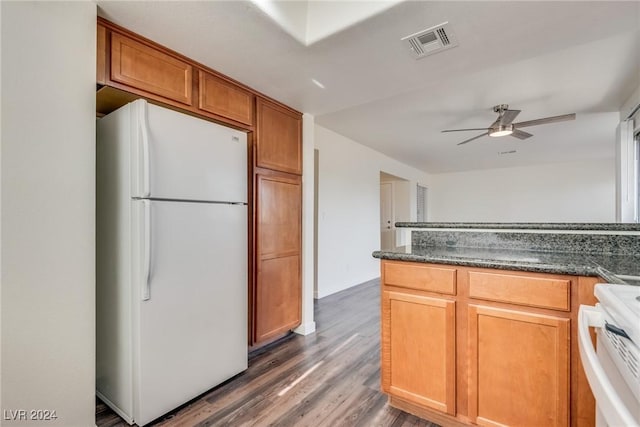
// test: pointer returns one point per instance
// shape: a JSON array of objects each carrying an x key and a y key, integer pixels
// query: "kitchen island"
[{"x": 479, "y": 323}]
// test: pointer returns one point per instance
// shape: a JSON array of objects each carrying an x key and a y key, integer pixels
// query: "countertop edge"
[
  {"x": 593, "y": 270},
  {"x": 524, "y": 226}
]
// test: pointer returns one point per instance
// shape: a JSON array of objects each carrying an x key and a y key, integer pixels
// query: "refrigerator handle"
[
  {"x": 144, "y": 129},
  {"x": 146, "y": 291}
]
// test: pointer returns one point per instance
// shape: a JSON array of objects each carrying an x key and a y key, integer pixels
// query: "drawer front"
[
  {"x": 531, "y": 291},
  {"x": 421, "y": 277},
  {"x": 143, "y": 67}
]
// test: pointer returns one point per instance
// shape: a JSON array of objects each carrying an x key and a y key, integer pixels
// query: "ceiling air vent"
[{"x": 431, "y": 40}]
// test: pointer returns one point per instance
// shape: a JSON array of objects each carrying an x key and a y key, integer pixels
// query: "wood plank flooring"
[{"x": 328, "y": 378}]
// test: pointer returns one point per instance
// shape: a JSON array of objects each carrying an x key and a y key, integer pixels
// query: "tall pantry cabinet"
[
  {"x": 130, "y": 67},
  {"x": 278, "y": 228}
]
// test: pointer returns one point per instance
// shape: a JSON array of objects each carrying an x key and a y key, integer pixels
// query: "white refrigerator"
[{"x": 171, "y": 258}]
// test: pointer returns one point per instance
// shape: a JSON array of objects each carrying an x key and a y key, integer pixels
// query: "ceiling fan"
[{"x": 504, "y": 125}]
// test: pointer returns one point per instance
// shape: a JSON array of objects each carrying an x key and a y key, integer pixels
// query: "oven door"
[{"x": 616, "y": 403}]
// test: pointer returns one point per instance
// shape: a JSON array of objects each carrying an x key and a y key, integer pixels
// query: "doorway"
[
  {"x": 386, "y": 216},
  {"x": 394, "y": 207}
]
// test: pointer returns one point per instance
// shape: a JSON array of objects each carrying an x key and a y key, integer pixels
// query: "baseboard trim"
[
  {"x": 427, "y": 414},
  {"x": 128, "y": 418},
  {"x": 306, "y": 328}
]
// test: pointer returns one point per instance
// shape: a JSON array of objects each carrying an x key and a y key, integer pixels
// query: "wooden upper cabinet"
[
  {"x": 143, "y": 67},
  {"x": 278, "y": 138},
  {"x": 221, "y": 97},
  {"x": 138, "y": 67}
]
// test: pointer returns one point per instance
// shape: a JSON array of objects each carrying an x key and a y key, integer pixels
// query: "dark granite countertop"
[
  {"x": 602, "y": 265},
  {"x": 600, "y": 226}
]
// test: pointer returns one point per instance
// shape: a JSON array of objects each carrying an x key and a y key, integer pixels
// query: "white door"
[
  {"x": 192, "y": 331},
  {"x": 387, "y": 229},
  {"x": 186, "y": 158}
]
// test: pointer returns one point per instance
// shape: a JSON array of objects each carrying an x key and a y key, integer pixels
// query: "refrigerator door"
[
  {"x": 180, "y": 157},
  {"x": 190, "y": 322}
]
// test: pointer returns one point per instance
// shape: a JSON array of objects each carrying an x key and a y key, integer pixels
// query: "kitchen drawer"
[
  {"x": 420, "y": 276},
  {"x": 533, "y": 291}
]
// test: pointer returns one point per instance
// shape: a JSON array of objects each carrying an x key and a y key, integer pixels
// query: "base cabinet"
[
  {"x": 475, "y": 346},
  {"x": 519, "y": 368},
  {"x": 419, "y": 331}
]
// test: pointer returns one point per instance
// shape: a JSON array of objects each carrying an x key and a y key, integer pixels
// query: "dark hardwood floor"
[{"x": 328, "y": 378}]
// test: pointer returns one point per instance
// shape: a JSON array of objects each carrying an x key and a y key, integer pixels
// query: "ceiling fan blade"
[
  {"x": 461, "y": 130},
  {"x": 520, "y": 134},
  {"x": 546, "y": 120},
  {"x": 509, "y": 116},
  {"x": 471, "y": 139}
]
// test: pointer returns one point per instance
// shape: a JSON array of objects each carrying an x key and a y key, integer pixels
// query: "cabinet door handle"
[
  {"x": 146, "y": 278},
  {"x": 144, "y": 133}
]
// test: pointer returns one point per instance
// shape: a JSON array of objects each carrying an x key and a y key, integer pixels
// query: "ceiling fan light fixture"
[
  {"x": 504, "y": 126},
  {"x": 501, "y": 130}
]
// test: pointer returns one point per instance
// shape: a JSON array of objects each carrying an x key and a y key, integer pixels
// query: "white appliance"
[
  {"x": 613, "y": 370},
  {"x": 171, "y": 258}
]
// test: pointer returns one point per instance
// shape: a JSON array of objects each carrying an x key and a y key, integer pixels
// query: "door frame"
[{"x": 391, "y": 227}]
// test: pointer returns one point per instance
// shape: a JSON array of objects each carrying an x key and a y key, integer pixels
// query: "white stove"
[{"x": 613, "y": 370}]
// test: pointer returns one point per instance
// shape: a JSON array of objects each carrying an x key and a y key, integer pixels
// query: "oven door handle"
[{"x": 609, "y": 403}]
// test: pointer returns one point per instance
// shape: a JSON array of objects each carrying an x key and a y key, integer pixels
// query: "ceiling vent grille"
[{"x": 431, "y": 40}]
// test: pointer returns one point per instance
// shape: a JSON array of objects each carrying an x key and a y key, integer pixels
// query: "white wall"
[
  {"x": 47, "y": 214},
  {"x": 561, "y": 192},
  {"x": 349, "y": 209},
  {"x": 626, "y": 180},
  {"x": 630, "y": 104},
  {"x": 308, "y": 324}
]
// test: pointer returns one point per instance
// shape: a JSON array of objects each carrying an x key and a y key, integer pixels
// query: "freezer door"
[
  {"x": 177, "y": 156},
  {"x": 191, "y": 321}
]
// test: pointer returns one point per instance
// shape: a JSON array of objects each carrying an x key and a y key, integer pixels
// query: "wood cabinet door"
[
  {"x": 418, "y": 349},
  {"x": 143, "y": 67},
  {"x": 518, "y": 367},
  {"x": 278, "y": 292},
  {"x": 224, "y": 98},
  {"x": 278, "y": 138}
]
